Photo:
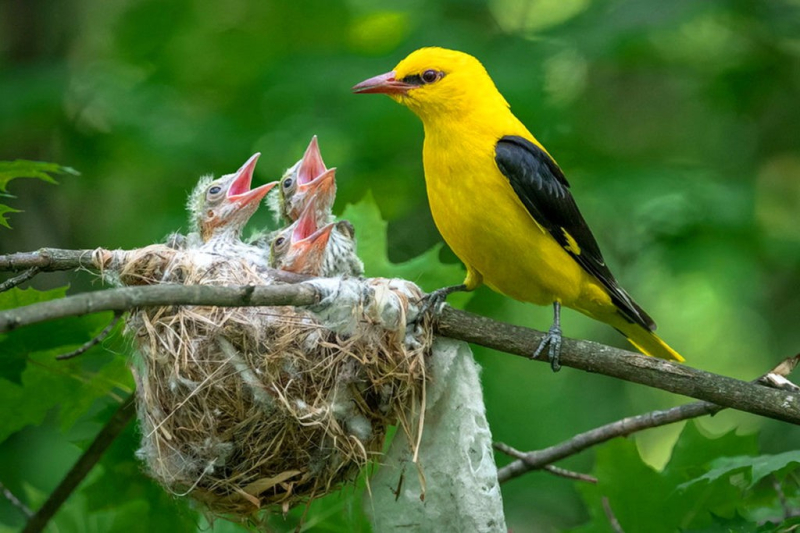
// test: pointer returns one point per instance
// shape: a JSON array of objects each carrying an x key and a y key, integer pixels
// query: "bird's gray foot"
[{"x": 552, "y": 340}]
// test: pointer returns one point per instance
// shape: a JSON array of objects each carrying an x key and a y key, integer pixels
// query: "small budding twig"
[
  {"x": 100, "y": 337},
  {"x": 18, "y": 280},
  {"x": 612, "y": 518},
  {"x": 15, "y": 501},
  {"x": 569, "y": 474}
]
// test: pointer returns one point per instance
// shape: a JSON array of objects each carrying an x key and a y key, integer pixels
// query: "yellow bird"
[{"x": 503, "y": 204}]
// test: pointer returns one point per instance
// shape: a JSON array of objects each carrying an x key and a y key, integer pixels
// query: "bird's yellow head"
[{"x": 437, "y": 83}]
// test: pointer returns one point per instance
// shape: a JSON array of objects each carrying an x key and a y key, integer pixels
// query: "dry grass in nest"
[{"x": 244, "y": 408}]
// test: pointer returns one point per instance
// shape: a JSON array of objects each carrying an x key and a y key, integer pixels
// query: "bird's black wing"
[{"x": 544, "y": 191}]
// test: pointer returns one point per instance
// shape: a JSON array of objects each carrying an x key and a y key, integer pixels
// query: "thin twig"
[
  {"x": 118, "y": 421},
  {"x": 15, "y": 501},
  {"x": 776, "y": 484},
  {"x": 96, "y": 340},
  {"x": 569, "y": 474},
  {"x": 18, "y": 280},
  {"x": 612, "y": 519},
  {"x": 535, "y": 460}
]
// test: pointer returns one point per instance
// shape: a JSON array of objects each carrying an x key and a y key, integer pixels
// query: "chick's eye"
[
  {"x": 279, "y": 241},
  {"x": 287, "y": 183},
  {"x": 214, "y": 190},
  {"x": 430, "y": 76}
]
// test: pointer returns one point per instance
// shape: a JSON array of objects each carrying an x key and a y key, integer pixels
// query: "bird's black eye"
[
  {"x": 214, "y": 190},
  {"x": 430, "y": 76},
  {"x": 279, "y": 241},
  {"x": 287, "y": 183}
]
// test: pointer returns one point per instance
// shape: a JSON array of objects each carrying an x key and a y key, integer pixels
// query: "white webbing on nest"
[
  {"x": 461, "y": 491},
  {"x": 389, "y": 304}
]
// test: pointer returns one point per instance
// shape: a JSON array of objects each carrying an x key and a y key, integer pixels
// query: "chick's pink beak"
[
  {"x": 241, "y": 182},
  {"x": 383, "y": 84},
  {"x": 321, "y": 185},
  {"x": 240, "y": 191},
  {"x": 306, "y": 224},
  {"x": 318, "y": 240},
  {"x": 311, "y": 165}
]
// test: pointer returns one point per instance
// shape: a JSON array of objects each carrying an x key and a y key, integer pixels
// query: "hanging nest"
[{"x": 250, "y": 407}]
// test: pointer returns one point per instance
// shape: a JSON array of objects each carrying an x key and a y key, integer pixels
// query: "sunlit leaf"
[{"x": 757, "y": 467}]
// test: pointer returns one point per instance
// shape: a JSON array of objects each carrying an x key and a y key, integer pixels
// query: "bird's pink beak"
[
  {"x": 306, "y": 224},
  {"x": 311, "y": 165},
  {"x": 321, "y": 185},
  {"x": 240, "y": 192},
  {"x": 383, "y": 84},
  {"x": 319, "y": 239},
  {"x": 314, "y": 245}
]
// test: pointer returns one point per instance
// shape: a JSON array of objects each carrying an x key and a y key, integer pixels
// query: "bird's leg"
[
  {"x": 553, "y": 340},
  {"x": 432, "y": 301}
]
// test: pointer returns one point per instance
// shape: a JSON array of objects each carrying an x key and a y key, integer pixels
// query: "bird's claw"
[
  {"x": 553, "y": 341},
  {"x": 432, "y": 302}
]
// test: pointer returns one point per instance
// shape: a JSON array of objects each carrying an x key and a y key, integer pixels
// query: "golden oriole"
[{"x": 502, "y": 203}]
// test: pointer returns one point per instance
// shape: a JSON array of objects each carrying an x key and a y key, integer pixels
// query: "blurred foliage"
[{"x": 676, "y": 123}]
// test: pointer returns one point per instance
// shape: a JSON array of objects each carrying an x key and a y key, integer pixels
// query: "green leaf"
[
  {"x": 757, "y": 467},
  {"x": 694, "y": 451},
  {"x": 14, "y": 345},
  {"x": 10, "y": 170},
  {"x": 20, "y": 168},
  {"x": 426, "y": 270},
  {"x": 32, "y": 381},
  {"x": 58, "y": 336},
  {"x": 636, "y": 493},
  {"x": 3, "y": 210},
  {"x": 734, "y": 524}
]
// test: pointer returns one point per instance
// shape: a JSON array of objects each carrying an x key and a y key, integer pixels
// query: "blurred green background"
[{"x": 677, "y": 124}]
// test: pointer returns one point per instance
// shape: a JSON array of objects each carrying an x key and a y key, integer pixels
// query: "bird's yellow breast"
[{"x": 481, "y": 218}]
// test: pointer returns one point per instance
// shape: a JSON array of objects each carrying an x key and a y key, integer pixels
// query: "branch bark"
[
  {"x": 598, "y": 358},
  {"x": 584, "y": 355}
]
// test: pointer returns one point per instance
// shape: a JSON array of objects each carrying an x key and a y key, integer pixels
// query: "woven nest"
[{"x": 245, "y": 408}]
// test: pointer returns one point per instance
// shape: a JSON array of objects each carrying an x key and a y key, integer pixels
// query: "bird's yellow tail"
[{"x": 648, "y": 342}]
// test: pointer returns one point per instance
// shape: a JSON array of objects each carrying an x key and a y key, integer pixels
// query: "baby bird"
[
  {"x": 306, "y": 179},
  {"x": 306, "y": 248},
  {"x": 219, "y": 209}
]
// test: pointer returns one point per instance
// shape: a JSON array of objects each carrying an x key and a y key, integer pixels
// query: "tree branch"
[
  {"x": 583, "y": 355},
  {"x": 164, "y": 294},
  {"x": 58, "y": 259},
  {"x": 48, "y": 260},
  {"x": 541, "y": 459},
  {"x": 622, "y": 364},
  {"x": 121, "y": 417}
]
